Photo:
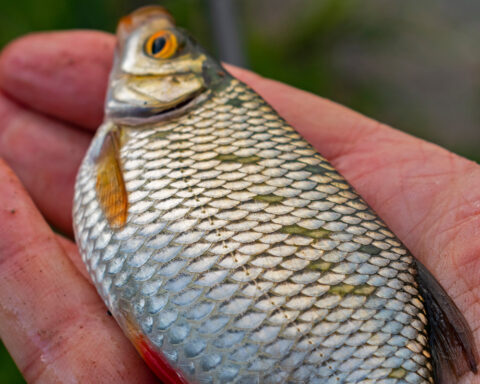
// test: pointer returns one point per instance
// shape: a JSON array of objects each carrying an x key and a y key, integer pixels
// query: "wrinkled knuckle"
[
  {"x": 56, "y": 341},
  {"x": 13, "y": 257},
  {"x": 33, "y": 369}
]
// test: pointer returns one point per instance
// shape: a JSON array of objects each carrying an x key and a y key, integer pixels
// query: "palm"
[{"x": 51, "y": 96}]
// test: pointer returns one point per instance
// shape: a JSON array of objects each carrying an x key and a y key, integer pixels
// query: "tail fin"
[{"x": 451, "y": 340}]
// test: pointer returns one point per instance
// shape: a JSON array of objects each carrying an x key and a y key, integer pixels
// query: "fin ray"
[
  {"x": 110, "y": 185},
  {"x": 451, "y": 340}
]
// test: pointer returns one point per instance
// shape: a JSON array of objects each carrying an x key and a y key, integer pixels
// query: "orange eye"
[{"x": 161, "y": 45}]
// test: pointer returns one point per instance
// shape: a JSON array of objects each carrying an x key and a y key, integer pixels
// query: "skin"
[{"x": 52, "y": 87}]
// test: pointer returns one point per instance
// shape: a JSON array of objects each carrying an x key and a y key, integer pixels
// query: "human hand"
[{"x": 51, "y": 100}]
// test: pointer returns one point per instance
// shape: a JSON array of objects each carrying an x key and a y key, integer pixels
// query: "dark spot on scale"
[
  {"x": 13, "y": 211},
  {"x": 229, "y": 158},
  {"x": 109, "y": 313},
  {"x": 370, "y": 249},
  {"x": 271, "y": 198},
  {"x": 298, "y": 230},
  {"x": 234, "y": 102},
  {"x": 160, "y": 135},
  {"x": 315, "y": 169}
]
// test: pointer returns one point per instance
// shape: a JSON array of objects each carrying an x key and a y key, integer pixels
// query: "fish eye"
[{"x": 161, "y": 45}]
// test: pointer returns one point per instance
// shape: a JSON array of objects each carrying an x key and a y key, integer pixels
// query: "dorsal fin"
[
  {"x": 451, "y": 340},
  {"x": 110, "y": 185}
]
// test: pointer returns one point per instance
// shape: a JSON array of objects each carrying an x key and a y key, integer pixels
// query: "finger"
[
  {"x": 62, "y": 74},
  {"x": 51, "y": 320},
  {"x": 45, "y": 153},
  {"x": 71, "y": 250}
]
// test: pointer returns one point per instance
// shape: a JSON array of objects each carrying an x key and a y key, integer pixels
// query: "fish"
[{"x": 230, "y": 251}]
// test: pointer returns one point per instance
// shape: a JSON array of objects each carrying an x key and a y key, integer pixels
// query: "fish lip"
[
  {"x": 137, "y": 115},
  {"x": 130, "y": 114}
]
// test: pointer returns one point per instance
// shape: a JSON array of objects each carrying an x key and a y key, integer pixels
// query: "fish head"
[{"x": 159, "y": 70}]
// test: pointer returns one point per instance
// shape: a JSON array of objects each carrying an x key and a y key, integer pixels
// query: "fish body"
[{"x": 227, "y": 248}]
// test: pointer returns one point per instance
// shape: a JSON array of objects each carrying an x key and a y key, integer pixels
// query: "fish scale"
[{"x": 247, "y": 258}]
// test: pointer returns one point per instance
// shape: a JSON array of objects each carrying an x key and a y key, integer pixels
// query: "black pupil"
[{"x": 158, "y": 45}]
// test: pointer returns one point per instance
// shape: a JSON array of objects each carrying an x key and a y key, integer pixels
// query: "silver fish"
[{"x": 230, "y": 251}]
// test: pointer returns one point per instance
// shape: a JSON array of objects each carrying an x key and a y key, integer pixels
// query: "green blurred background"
[{"x": 414, "y": 65}]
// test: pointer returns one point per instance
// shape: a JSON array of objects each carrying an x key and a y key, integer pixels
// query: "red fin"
[
  {"x": 155, "y": 360},
  {"x": 158, "y": 363}
]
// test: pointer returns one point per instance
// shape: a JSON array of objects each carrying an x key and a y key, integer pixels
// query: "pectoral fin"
[
  {"x": 451, "y": 340},
  {"x": 110, "y": 185}
]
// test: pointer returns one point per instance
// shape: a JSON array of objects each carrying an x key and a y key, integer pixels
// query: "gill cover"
[{"x": 158, "y": 69}]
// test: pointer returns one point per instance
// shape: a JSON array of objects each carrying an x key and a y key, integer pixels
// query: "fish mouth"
[
  {"x": 138, "y": 100},
  {"x": 132, "y": 115}
]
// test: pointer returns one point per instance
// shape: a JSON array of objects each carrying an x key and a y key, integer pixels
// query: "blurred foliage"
[
  {"x": 383, "y": 59},
  {"x": 313, "y": 48},
  {"x": 305, "y": 53},
  {"x": 8, "y": 371}
]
